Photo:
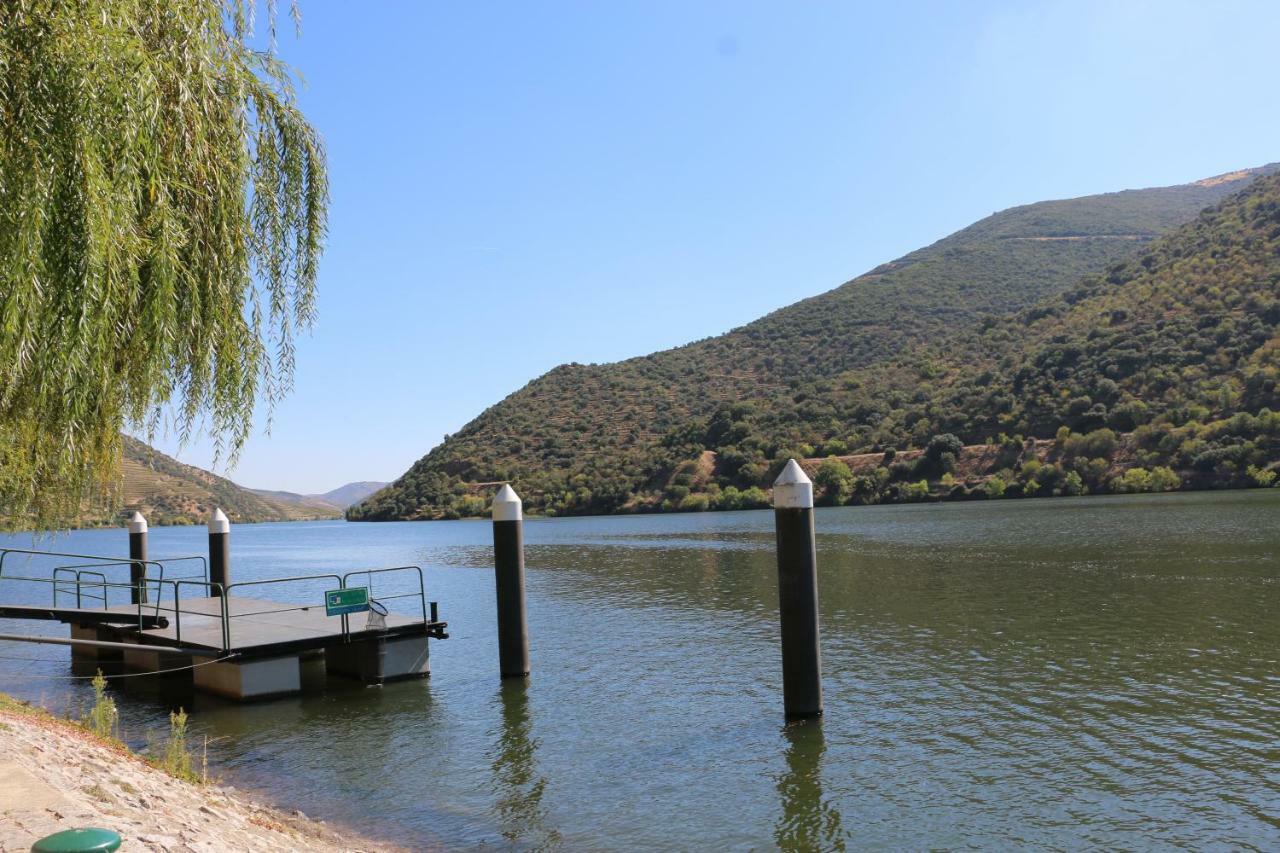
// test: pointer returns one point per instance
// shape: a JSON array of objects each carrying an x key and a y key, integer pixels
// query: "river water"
[{"x": 1064, "y": 673}]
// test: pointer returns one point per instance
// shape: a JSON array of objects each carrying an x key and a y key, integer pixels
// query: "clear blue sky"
[{"x": 519, "y": 185}]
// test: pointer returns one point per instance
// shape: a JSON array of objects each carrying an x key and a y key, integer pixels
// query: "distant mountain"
[
  {"x": 335, "y": 500},
  {"x": 167, "y": 491},
  {"x": 973, "y": 335},
  {"x": 303, "y": 503},
  {"x": 351, "y": 493}
]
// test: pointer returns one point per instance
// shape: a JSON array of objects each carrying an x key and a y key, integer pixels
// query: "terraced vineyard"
[{"x": 167, "y": 491}]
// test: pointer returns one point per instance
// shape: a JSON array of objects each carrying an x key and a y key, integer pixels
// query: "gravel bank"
[{"x": 55, "y": 775}]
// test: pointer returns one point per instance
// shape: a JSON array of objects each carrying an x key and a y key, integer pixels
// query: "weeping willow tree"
[{"x": 162, "y": 210}]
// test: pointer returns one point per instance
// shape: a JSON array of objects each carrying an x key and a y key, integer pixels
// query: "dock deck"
[
  {"x": 84, "y": 615},
  {"x": 261, "y": 628},
  {"x": 237, "y": 645}
]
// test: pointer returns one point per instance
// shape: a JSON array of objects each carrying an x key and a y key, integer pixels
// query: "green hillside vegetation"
[{"x": 1069, "y": 315}]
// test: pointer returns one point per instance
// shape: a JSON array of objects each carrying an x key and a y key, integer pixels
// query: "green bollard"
[{"x": 87, "y": 840}]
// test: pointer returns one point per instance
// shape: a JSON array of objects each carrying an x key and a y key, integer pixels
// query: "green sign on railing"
[{"x": 353, "y": 599}]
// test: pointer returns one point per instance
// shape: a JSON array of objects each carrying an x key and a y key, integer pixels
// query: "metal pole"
[
  {"x": 219, "y": 549},
  {"x": 508, "y": 558},
  {"x": 102, "y": 644},
  {"x": 797, "y": 593},
  {"x": 138, "y": 551}
]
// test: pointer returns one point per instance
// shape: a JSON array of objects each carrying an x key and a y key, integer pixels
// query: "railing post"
[
  {"x": 797, "y": 593},
  {"x": 508, "y": 558},
  {"x": 219, "y": 549},
  {"x": 137, "y": 551}
]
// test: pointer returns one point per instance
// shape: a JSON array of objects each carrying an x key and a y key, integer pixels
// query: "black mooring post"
[
  {"x": 137, "y": 551},
  {"x": 219, "y": 550},
  {"x": 508, "y": 559},
  {"x": 797, "y": 593}
]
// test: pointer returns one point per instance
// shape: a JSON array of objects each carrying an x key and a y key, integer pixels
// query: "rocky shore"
[{"x": 54, "y": 775}]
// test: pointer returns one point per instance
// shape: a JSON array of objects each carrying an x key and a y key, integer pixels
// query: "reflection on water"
[
  {"x": 1098, "y": 672},
  {"x": 808, "y": 820},
  {"x": 517, "y": 785}
]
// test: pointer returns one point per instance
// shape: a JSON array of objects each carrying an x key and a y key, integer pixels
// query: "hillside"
[
  {"x": 330, "y": 502},
  {"x": 312, "y": 503},
  {"x": 168, "y": 492},
  {"x": 351, "y": 493},
  {"x": 972, "y": 335}
]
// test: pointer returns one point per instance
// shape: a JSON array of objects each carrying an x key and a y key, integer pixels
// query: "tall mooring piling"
[
  {"x": 138, "y": 551},
  {"x": 219, "y": 549},
  {"x": 798, "y": 593},
  {"x": 508, "y": 558}
]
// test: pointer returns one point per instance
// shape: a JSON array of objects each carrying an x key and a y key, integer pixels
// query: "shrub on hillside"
[
  {"x": 1134, "y": 480},
  {"x": 1098, "y": 444},
  {"x": 835, "y": 481},
  {"x": 1164, "y": 480},
  {"x": 1263, "y": 477},
  {"x": 917, "y": 491},
  {"x": 694, "y": 503}
]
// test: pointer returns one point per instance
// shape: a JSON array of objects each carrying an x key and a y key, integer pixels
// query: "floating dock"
[{"x": 244, "y": 641}]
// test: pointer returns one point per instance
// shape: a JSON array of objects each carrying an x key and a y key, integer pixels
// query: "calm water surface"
[{"x": 1065, "y": 673}]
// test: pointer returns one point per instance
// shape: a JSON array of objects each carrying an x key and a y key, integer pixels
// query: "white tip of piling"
[
  {"x": 218, "y": 522},
  {"x": 793, "y": 489},
  {"x": 137, "y": 524},
  {"x": 507, "y": 505}
]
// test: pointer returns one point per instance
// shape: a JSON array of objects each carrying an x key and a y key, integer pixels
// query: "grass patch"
[
  {"x": 175, "y": 757},
  {"x": 103, "y": 718},
  {"x": 8, "y": 703},
  {"x": 98, "y": 793}
]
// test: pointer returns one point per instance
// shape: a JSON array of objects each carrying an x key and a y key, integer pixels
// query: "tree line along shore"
[{"x": 1231, "y": 453}]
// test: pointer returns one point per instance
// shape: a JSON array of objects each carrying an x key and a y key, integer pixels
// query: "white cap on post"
[
  {"x": 218, "y": 522},
  {"x": 507, "y": 505},
  {"x": 137, "y": 524},
  {"x": 793, "y": 489}
]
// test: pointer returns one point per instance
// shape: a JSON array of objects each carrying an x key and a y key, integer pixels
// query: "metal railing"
[
  {"x": 104, "y": 585},
  {"x": 89, "y": 582},
  {"x": 421, "y": 594},
  {"x": 212, "y": 590},
  {"x": 99, "y": 562},
  {"x": 99, "y": 559},
  {"x": 215, "y": 590},
  {"x": 143, "y": 584},
  {"x": 228, "y": 616},
  {"x": 97, "y": 590},
  {"x": 78, "y": 584}
]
